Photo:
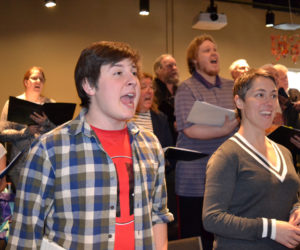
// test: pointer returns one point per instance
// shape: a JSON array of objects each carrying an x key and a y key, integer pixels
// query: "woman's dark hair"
[{"x": 244, "y": 82}]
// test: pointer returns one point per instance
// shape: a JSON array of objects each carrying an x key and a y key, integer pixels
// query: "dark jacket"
[
  {"x": 161, "y": 128},
  {"x": 166, "y": 104}
]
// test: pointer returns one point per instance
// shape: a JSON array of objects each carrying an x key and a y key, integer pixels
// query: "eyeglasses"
[{"x": 35, "y": 78}]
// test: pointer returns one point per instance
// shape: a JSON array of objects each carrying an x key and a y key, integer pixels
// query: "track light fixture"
[
  {"x": 144, "y": 7},
  {"x": 288, "y": 26},
  {"x": 50, "y": 3},
  {"x": 270, "y": 17}
]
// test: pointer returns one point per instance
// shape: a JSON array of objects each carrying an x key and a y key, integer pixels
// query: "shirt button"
[
  {"x": 109, "y": 236},
  {"x": 112, "y": 207},
  {"x": 132, "y": 194}
]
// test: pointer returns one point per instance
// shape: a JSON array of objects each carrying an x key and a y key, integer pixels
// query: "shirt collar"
[
  {"x": 79, "y": 124},
  {"x": 206, "y": 83}
]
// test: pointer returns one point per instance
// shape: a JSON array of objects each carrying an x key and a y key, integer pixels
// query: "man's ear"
[
  {"x": 88, "y": 88},
  {"x": 158, "y": 70},
  {"x": 238, "y": 102},
  {"x": 195, "y": 63},
  {"x": 25, "y": 83}
]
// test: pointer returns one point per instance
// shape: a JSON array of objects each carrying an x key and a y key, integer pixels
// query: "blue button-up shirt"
[{"x": 68, "y": 190}]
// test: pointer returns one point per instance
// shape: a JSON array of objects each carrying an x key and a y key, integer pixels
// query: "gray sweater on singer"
[{"x": 242, "y": 188}]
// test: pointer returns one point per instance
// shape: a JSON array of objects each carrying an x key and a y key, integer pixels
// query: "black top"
[
  {"x": 165, "y": 102},
  {"x": 161, "y": 128},
  {"x": 290, "y": 114}
]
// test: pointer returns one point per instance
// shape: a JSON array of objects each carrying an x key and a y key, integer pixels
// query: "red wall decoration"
[{"x": 285, "y": 45}]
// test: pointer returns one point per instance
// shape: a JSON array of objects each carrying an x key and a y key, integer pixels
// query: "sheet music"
[{"x": 208, "y": 114}]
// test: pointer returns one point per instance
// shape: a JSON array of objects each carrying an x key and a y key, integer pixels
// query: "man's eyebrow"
[
  {"x": 116, "y": 64},
  {"x": 120, "y": 65}
]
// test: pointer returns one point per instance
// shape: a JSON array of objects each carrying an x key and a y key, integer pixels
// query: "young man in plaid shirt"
[{"x": 96, "y": 182}]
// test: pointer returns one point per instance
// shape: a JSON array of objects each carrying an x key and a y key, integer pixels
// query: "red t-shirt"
[{"x": 117, "y": 144}]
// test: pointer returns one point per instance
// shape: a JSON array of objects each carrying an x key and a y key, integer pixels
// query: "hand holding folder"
[
  {"x": 20, "y": 110},
  {"x": 283, "y": 134}
]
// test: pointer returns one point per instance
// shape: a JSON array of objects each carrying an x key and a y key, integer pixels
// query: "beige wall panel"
[{"x": 31, "y": 34}]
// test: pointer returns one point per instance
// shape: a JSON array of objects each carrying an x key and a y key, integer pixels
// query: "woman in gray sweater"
[{"x": 250, "y": 199}]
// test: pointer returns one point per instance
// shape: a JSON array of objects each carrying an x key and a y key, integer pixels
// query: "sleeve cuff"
[{"x": 269, "y": 228}]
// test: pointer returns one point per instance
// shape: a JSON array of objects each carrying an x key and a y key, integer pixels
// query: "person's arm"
[
  {"x": 160, "y": 213},
  {"x": 33, "y": 199},
  {"x": 221, "y": 179},
  {"x": 43, "y": 121},
  {"x": 160, "y": 236},
  {"x": 11, "y": 131},
  {"x": 45, "y": 124},
  {"x": 184, "y": 101},
  {"x": 204, "y": 132}
]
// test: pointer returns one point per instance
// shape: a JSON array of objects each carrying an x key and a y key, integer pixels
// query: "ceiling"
[{"x": 279, "y": 5}]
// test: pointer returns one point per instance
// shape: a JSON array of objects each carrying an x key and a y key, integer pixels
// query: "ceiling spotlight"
[
  {"x": 144, "y": 7},
  {"x": 270, "y": 17},
  {"x": 50, "y": 3}
]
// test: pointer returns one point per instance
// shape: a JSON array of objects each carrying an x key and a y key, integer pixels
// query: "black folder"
[
  {"x": 283, "y": 134},
  {"x": 57, "y": 112},
  {"x": 182, "y": 154}
]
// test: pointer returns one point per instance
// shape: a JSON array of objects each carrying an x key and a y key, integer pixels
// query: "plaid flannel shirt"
[{"x": 68, "y": 190}]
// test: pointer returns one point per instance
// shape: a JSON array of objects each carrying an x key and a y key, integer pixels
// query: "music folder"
[
  {"x": 208, "y": 114},
  {"x": 283, "y": 134},
  {"x": 182, "y": 154},
  {"x": 57, "y": 112}
]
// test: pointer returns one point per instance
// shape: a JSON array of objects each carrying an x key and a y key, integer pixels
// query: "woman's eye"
[
  {"x": 134, "y": 73},
  {"x": 118, "y": 73}
]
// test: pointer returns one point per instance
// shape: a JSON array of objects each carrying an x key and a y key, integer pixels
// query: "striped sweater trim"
[{"x": 279, "y": 171}]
